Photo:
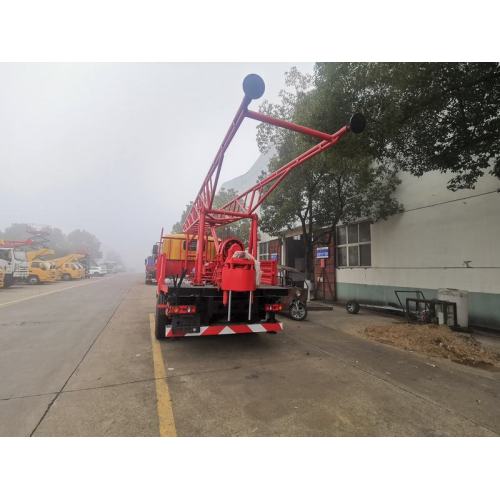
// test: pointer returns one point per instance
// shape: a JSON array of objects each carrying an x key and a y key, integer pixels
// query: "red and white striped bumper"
[{"x": 229, "y": 330}]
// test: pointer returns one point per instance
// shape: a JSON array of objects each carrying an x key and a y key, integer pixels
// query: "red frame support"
[
  {"x": 203, "y": 218},
  {"x": 15, "y": 243}
]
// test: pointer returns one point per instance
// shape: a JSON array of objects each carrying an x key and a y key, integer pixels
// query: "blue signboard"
[
  {"x": 274, "y": 256},
  {"x": 322, "y": 253}
]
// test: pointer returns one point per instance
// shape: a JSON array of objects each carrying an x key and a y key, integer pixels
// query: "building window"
[
  {"x": 264, "y": 251},
  {"x": 354, "y": 247}
]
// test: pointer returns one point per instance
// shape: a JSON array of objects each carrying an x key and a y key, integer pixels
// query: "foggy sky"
[{"x": 119, "y": 149}]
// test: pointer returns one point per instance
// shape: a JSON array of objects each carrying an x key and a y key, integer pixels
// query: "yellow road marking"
[
  {"x": 49, "y": 293},
  {"x": 163, "y": 402}
]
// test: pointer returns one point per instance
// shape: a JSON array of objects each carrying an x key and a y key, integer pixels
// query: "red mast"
[{"x": 203, "y": 218}]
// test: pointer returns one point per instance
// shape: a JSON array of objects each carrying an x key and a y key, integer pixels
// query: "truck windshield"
[
  {"x": 5, "y": 254},
  {"x": 20, "y": 255}
]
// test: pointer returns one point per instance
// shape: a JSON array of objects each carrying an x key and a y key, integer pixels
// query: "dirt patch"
[{"x": 434, "y": 340}]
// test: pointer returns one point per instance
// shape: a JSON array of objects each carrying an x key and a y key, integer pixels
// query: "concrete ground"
[
  {"x": 81, "y": 361},
  {"x": 77, "y": 361}
]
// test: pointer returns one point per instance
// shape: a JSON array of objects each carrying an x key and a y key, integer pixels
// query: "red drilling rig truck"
[{"x": 206, "y": 286}]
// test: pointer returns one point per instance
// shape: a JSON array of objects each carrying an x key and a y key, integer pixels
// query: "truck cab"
[
  {"x": 71, "y": 271},
  {"x": 15, "y": 264},
  {"x": 81, "y": 267},
  {"x": 57, "y": 271},
  {"x": 68, "y": 267},
  {"x": 41, "y": 272}
]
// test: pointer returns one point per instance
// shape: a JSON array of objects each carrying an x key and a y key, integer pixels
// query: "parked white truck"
[{"x": 15, "y": 265}]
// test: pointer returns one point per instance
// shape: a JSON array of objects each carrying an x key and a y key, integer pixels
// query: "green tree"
[
  {"x": 81, "y": 241},
  {"x": 57, "y": 241},
  {"x": 52, "y": 237},
  {"x": 75, "y": 242},
  {"x": 238, "y": 229},
  {"x": 177, "y": 227},
  {"x": 353, "y": 190},
  {"x": 15, "y": 231},
  {"x": 295, "y": 201},
  {"x": 341, "y": 184},
  {"x": 113, "y": 256},
  {"x": 425, "y": 116}
]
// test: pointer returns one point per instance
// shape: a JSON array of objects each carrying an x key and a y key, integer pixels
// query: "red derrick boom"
[{"x": 203, "y": 218}]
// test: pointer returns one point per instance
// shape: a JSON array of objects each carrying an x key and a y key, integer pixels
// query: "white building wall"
[{"x": 426, "y": 246}]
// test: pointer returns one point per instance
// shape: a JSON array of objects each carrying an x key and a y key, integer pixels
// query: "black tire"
[
  {"x": 297, "y": 311},
  {"x": 33, "y": 280},
  {"x": 8, "y": 281},
  {"x": 66, "y": 277},
  {"x": 352, "y": 307},
  {"x": 160, "y": 318}
]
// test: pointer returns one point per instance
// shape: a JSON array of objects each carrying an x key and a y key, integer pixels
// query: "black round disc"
[
  {"x": 253, "y": 86},
  {"x": 357, "y": 123}
]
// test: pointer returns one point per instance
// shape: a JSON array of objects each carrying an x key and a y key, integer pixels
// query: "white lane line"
[{"x": 51, "y": 292}]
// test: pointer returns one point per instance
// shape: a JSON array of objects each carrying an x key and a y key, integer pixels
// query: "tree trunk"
[
  {"x": 304, "y": 243},
  {"x": 334, "y": 257},
  {"x": 307, "y": 258}
]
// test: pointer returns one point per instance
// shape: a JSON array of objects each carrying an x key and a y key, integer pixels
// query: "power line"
[{"x": 450, "y": 201}]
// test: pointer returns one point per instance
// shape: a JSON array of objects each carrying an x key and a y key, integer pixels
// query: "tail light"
[
  {"x": 182, "y": 309},
  {"x": 273, "y": 307}
]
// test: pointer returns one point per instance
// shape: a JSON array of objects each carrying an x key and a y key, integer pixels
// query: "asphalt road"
[
  {"x": 77, "y": 359},
  {"x": 73, "y": 362}
]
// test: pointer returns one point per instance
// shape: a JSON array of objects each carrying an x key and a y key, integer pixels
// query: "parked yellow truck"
[
  {"x": 68, "y": 268},
  {"x": 41, "y": 271}
]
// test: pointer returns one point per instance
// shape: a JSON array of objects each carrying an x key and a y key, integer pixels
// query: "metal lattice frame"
[{"x": 203, "y": 218}]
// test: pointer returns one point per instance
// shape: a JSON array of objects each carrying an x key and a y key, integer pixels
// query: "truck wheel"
[
  {"x": 352, "y": 307},
  {"x": 66, "y": 277},
  {"x": 298, "y": 311},
  {"x": 160, "y": 318},
  {"x": 33, "y": 280}
]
